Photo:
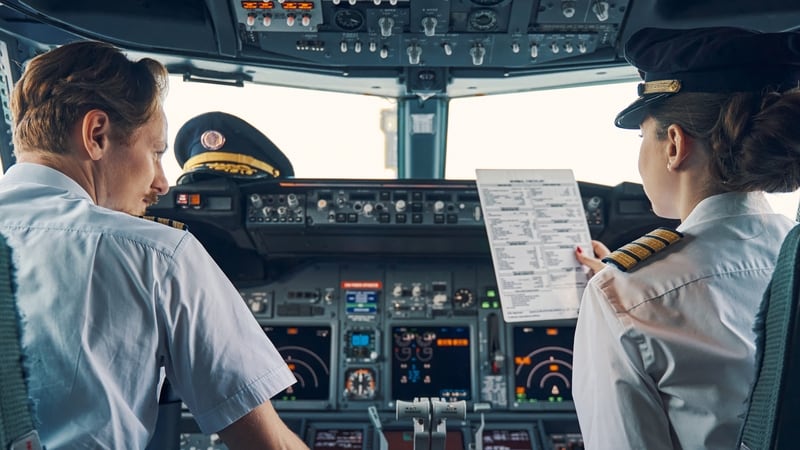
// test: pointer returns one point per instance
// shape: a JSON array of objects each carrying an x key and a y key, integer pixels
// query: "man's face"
[{"x": 133, "y": 175}]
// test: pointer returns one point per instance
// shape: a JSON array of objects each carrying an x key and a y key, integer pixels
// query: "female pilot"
[{"x": 664, "y": 345}]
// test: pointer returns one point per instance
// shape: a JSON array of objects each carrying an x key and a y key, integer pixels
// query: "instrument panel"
[
  {"x": 372, "y": 313},
  {"x": 361, "y": 334},
  {"x": 382, "y": 332}
]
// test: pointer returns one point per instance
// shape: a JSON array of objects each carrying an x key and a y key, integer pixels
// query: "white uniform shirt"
[
  {"x": 106, "y": 299},
  {"x": 664, "y": 354}
]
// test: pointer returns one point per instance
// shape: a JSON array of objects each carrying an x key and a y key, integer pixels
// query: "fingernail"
[{"x": 580, "y": 250}]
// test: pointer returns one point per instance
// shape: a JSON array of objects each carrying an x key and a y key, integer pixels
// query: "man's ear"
[
  {"x": 95, "y": 130},
  {"x": 679, "y": 148}
]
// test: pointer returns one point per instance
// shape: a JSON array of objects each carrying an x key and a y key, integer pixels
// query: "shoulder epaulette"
[
  {"x": 172, "y": 223},
  {"x": 637, "y": 251}
]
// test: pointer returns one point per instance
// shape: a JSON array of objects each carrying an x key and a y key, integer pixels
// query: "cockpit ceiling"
[{"x": 451, "y": 48}]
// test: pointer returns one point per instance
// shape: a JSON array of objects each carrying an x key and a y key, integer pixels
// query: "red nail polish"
[{"x": 580, "y": 250}]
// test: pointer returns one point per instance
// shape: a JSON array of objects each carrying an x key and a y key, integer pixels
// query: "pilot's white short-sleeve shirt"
[
  {"x": 664, "y": 354},
  {"x": 106, "y": 300}
]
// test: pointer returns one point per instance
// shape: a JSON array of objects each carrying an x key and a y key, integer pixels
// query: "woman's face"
[{"x": 657, "y": 180}]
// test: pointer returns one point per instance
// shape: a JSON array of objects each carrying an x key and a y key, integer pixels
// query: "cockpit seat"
[
  {"x": 773, "y": 415},
  {"x": 16, "y": 422}
]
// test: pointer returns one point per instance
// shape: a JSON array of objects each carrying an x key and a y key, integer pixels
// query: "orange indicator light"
[{"x": 258, "y": 5}]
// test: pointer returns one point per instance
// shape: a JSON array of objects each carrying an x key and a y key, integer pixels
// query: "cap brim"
[{"x": 631, "y": 117}]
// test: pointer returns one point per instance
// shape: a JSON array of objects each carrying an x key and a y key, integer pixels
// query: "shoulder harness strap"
[{"x": 637, "y": 251}]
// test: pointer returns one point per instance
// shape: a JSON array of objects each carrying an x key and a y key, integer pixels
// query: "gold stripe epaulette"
[
  {"x": 637, "y": 251},
  {"x": 172, "y": 223}
]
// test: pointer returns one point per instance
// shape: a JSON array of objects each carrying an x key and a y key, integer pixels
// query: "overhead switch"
[
  {"x": 477, "y": 52},
  {"x": 429, "y": 25}
]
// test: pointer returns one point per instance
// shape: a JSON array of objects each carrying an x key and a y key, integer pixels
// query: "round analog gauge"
[
  {"x": 463, "y": 298},
  {"x": 360, "y": 384},
  {"x": 348, "y": 19}
]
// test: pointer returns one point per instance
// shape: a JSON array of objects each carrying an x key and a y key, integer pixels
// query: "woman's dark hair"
[
  {"x": 754, "y": 138},
  {"x": 58, "y": 87}
]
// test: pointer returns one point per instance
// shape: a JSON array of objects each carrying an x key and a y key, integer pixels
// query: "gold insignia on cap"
[
  {"x": 660, "y": 87},
  {"x": 212, "y": 140},
  {"x": 172, "y": 223},
  {"x": 233, "y": 169},
  {"x": 646, "y": 246},
  {"x": 233, "y": 163}
]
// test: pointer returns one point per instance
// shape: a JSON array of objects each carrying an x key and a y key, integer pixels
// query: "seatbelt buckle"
[{"x": 28, "y": 441}]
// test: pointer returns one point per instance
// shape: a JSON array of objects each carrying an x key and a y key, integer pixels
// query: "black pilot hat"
[
  {"x": 217, "y": 144},
  {"x": 714, "y": 60}
]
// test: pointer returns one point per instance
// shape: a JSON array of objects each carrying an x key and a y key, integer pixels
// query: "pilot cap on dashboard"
[
  {"x": 217, "y": 144},
  {"x": 714, "y": 60}
]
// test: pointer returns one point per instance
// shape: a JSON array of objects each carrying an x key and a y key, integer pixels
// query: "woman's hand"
[{"x": 593, "y": 262}]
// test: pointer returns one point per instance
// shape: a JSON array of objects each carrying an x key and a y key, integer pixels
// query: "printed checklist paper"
[{"x": 535, "y": 220}]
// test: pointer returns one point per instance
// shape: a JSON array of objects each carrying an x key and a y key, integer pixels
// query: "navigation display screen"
[
  {"x": 430, "y": 361},
  {"x": 543, "y": 363},
  {"x": 307, "y": 351}
]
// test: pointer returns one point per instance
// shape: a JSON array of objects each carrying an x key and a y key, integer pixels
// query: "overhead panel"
[{"x": 432, "y": 33}]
